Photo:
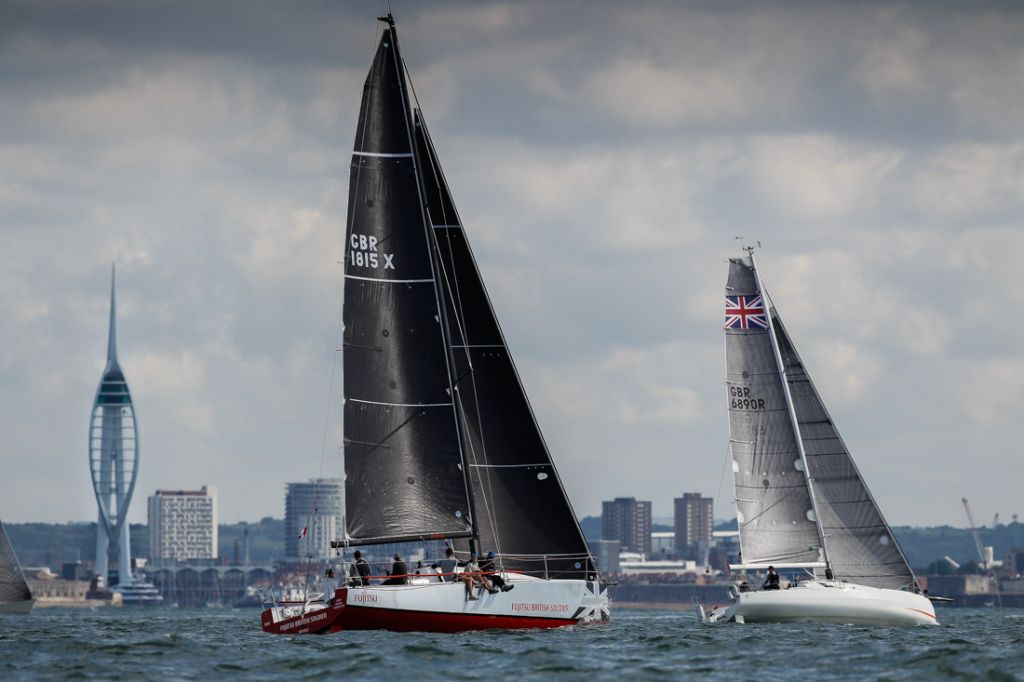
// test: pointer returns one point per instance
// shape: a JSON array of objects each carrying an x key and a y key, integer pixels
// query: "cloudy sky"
[{"x": 603, "y": 155}]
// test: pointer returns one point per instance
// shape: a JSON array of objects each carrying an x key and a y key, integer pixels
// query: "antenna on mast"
[{"x": 749, "y": 248}]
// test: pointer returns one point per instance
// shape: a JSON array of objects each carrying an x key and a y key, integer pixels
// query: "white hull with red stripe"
[
  {"x": 443, "y": 607},
  {"x": 825, "y": 602}
]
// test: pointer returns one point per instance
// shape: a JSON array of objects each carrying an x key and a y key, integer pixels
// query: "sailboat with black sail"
[
  {"x": 440, "y": 440},
  {"x": 15, "y": 595},
  {"x": 801, "y": 503}
]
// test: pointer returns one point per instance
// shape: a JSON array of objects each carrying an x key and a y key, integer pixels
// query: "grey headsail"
[
  {"x": 861, "y": 546},
  {"x": 773, "y": 505},
  {"x": 522, "y": 511},
  {"x": 13, "y": 587},
  {"x": 403, "y": 460}
]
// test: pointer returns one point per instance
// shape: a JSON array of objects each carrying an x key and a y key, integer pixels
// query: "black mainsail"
[
  {"x": 13, "y": 587},
  {"x": 781, "y": 430},
  {"x": 522, "y": 511},
  {"x": 404, "y": 473}
]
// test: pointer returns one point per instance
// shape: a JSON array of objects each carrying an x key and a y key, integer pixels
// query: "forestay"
[
  {"x": 774, "y": 511},
  {"x": 861, "y": 546},
  {"x": 403, "y": 466},
  {"x": 522, "y": 511}
]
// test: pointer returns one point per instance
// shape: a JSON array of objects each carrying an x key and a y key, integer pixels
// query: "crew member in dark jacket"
[
  {"x": 771, "y": 582},
  {"x": 487, "y": 567},
  {"x": 399, "y": 572}
]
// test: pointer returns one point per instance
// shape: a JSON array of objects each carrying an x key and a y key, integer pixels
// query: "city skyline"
[{"x": 603, "y": 162}]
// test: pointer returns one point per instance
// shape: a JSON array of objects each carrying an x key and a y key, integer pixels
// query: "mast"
[{"x": 791, "y": 409}]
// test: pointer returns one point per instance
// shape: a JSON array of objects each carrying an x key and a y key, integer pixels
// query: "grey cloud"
[{"x": 603, "y": 158}]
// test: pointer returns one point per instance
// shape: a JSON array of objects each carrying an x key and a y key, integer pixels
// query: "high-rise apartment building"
[
  {"x": 694, "y": 520},
  {"x": 628, "y": 521},
  {"x": 314, "y": 514},
  {"x": 183, "y": 525}
]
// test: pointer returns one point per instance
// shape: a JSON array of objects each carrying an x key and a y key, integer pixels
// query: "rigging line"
[
  {"x": 327, "y": 416},
  {"x": 721, "y": 481},
  {"x": 394, "y": 431}
]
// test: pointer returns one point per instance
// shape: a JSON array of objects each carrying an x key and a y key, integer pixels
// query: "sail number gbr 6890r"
[
  {"x": 363, "y": 253},
  {"x": 740, "y": 399}
]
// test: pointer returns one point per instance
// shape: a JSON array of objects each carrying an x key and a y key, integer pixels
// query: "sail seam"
[
  {"x": 392, "y": 281},
  {"x": 374, "y": 402},
  {"x": 382, "y": 155}
]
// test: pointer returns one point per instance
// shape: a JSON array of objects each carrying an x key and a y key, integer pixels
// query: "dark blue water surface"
[{"x": 169, "y": 644}]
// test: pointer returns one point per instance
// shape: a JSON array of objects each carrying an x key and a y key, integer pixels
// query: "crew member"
[
  {"x": 487, "y": 567},
  {"x": 330, "y": 585},
  {"x": 360, "y": 571},
  {"x": 471, "y": 576},
  {"x": 771, "y": 581},
  {"x": 399, "y": 572},
  {"x": 447, "y": 565}
]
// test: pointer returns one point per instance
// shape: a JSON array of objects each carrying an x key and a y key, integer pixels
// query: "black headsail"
[
  {"x": 522, "y": 511},
  {"x": 404, "y": 478}
]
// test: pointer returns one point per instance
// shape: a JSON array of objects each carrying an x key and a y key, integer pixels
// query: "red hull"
[
  {"x": 362, "y": 618},
  {"x": 339, "y": 617}
]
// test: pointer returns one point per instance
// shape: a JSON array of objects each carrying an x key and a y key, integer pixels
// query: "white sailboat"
[
  {"x": 15, "y": 595},
  {"x": 801, "y": 504}
]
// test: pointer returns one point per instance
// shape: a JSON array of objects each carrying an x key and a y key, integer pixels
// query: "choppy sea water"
[{"x": 170, "y": 644}]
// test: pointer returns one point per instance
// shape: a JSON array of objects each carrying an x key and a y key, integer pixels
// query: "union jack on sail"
[{"x": 745, "y": 312}]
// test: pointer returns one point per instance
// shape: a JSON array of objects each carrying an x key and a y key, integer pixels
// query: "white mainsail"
[{"x": 773, "y": 505}]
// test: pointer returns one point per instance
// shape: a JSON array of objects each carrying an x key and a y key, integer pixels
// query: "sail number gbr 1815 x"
[
  {"x": 363, "y": 253},
  {"x": 740, "y": 399}
]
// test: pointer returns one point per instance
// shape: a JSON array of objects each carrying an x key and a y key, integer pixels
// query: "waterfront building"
[
  {"x": 663, "y": 544},
  {"x": 635, "y": 564},
  {"x": 314, "y": 514},
  {"x": 628, "y": 521},
  {"x": 183, "y": 525},
  {"x": 694, "y": 521},
  {"x": 113, "y": 459}
]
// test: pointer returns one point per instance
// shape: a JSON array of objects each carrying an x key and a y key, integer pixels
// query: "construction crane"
[
  {"x": 982, "y": 563},
  {"x": 974, "y": 533}
]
